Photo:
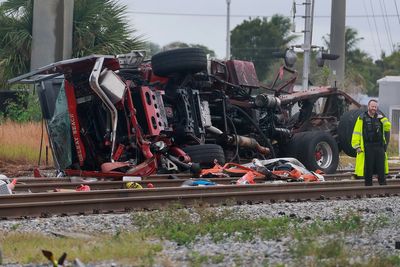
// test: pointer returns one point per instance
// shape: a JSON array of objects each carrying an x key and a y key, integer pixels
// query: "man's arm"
[
  {"x": 357, "y": 135},
  {"x": 386, "y": 130}
]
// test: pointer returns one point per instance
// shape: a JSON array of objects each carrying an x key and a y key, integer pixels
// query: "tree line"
[{"x": 101, "y": 27}]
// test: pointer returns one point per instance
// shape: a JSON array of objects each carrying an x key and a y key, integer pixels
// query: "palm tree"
[
  {"x": 15, "y": 43},
  {"x": 351, "y": 40},
  {"x": 99, "y": 27}
]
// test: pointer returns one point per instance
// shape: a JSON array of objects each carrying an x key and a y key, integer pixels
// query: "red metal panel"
[
  {"x": 74, "y": 120},
  {"x": 242, "y": 73},
  {"x": 152, "y": 111}
]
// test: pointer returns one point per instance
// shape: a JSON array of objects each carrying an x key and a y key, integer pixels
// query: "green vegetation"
[
  {"x": 176, "y": 45},
  {"x": 99, "y": 27},
  {"x": 256, "y": 39},
  {"x": 178, "y": 225},
  {"x": 26, "y": 108},
  {"x": 314, "y": 243},
  {"x": 26, "y": 150},
  {"x": 125, "y": 248},
  {"x": 197, "y": 260},
  {"x": 350, "y": 223},
  {"x": 334, "y": 252},
  {"x": 393, "y": 148},
  {"x": 307, "y": 249}
]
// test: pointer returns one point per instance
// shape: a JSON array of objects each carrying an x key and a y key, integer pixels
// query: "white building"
[{"x": 389, "y": 101}]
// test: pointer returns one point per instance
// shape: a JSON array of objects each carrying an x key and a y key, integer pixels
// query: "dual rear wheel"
[{"x": 316, "y": 150}]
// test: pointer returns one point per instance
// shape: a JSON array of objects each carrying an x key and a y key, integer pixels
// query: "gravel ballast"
[{"x": 231, "y": 252}]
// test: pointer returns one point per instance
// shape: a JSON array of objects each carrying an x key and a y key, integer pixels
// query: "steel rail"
[
  {"x": 188, "y": 198},
  {"x": 49, "y": 184},
  {"x": 99, "y": 185},
  {"x": 28, "y": 179},
  {"x": 111, "y": 193},
  {"x": 337, "y": 176},
  {"x": 152, "y": 179}
]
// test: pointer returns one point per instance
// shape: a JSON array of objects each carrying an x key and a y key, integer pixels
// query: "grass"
[
  {"x": 179, "y": 225},
  {"x": 20, "y": 142},
  {"x": 334, "y": 252},
  {"x": 315, "y": 243},
  {"x": 323, "y": 243},
  {"x": 184, "y": 226},
  {"x": 350, "y": 223},
  {"x": 123, "y": 248},
  {"x": 393, "y": 148}
]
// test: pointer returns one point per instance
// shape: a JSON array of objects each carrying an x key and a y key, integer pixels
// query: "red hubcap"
[{"x": 318, "y": 155}]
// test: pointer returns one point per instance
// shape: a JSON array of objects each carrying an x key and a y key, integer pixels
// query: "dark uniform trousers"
[{"x": 374, "y": 163}]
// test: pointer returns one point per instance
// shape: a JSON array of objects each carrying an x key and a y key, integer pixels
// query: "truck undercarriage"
[{"x": 181, "y": 112}]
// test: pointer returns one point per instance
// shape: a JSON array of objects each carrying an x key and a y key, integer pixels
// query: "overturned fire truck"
[{"x": 180, "y": 111}]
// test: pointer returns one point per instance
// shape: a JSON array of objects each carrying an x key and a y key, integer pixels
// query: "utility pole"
[
  {"x": 228, "y": 32},
  {"x": 309, "y": 13},
  {"x": 337, "y": 39},
  {"x": 51, "y": 31}
]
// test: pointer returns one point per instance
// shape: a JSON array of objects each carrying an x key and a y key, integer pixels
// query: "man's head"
[{"x": 372, "y": 107}]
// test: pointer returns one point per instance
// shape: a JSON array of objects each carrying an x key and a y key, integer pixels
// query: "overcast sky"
[{"x": 204, "y": 21}]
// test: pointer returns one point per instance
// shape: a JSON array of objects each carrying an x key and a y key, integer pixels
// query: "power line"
[
  {"x": 397, "y": 10},
  {"x": 244, "y": 15},
  {"x": 387, "y": 29},
  {"x": 376, "y": 26},
  {"x": 370, "y": 29}
]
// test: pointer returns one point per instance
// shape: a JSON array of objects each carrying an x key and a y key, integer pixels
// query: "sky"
[{"x": 204, "y": 21}]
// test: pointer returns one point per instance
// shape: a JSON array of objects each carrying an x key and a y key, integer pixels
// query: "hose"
[
  {"x": 258, "y": 129},
  {"x": 236, "y": 155}
]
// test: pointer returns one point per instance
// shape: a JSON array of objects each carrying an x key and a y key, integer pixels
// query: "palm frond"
[{"x": 99, "y": 27}]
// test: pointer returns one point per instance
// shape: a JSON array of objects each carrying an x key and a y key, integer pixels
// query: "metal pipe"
[
  {"x": 94, "y": 84},
  {"x": 177, "y": 152},
  {"x": 255, "y": 124},
  {"x": 247, "y": 142},
  {"x": 214, "y": 130}
]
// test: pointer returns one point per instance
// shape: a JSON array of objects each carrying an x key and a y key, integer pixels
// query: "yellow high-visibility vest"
[{"x": 357, "y": 141}]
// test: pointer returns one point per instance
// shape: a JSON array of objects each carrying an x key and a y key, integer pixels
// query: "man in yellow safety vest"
[{"x": 370, "y": 139}]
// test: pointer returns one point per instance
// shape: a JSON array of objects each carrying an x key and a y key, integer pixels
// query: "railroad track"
[
  {"x": 36, "y": 185},
  {"x": 123, "y": 200},
  {"x": 108, "y": 195}
]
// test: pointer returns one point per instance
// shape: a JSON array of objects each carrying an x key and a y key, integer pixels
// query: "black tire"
[
  {"x": 293, "y": 119},
  {"x": 345, "y": 130},
  {"x": 305, "y": 146},
  {"x": 182, "y": 60},
  {"x": 206, "y": 154}
]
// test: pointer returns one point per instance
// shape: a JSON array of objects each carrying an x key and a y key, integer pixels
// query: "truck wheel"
[
  {"x": 321, "y": 152},
  {"x": 316, "y": 150},
  {"x": 182, "y": 60},
  {"x": 206, "y": 154},
  {"x": 345, "y": 130}
]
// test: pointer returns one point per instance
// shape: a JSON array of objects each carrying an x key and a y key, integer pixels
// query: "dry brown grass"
[{"x": 20, "y": 142}]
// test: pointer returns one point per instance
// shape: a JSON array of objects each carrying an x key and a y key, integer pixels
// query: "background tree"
[
  {"x": 152, "y": 48},
  {"x": 256, "y": 39},
  {"x": 361, "y": 73},
  {"x": 178, "y": 44},
  {"x": 16, "y": 38},
  {"x": 390, "y": 65},
  {"x": 99, "y": 27}
]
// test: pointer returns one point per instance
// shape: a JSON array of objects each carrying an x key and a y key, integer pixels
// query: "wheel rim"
[{"x": 323, "y": 155}]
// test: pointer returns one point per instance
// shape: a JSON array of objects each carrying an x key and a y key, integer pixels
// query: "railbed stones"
[{"x": 384, "y": 238}]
